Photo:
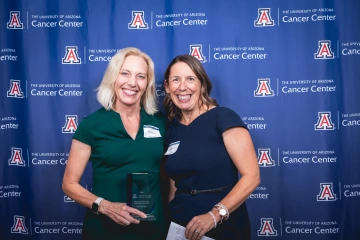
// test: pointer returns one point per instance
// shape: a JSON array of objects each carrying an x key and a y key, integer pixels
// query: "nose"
[
  {"x": 183, "y": 85},
  {"x": 132, "y": 81}
]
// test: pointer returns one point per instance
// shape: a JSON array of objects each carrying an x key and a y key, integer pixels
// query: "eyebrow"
[
  {"x": 123, "y": 69},
  {"x": 185, "y": 76}
]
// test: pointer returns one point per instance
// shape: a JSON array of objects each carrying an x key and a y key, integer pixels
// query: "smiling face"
[
  {"x": 131, "y": 82},
  {"x": 184, "y": 87}
]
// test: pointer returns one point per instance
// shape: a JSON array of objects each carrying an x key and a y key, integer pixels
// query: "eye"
[
  {"x": 124, "y": 74},
  {"x": 175, "y": 80},
  {"x": 191, "y": 79},
  {"x": 142, "y": 77}
]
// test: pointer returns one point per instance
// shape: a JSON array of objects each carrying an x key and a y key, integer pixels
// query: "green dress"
[{"x": 114, "y": 154}]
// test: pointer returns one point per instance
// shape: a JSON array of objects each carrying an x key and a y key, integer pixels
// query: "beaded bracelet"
[{"x": 212, "y": 215}]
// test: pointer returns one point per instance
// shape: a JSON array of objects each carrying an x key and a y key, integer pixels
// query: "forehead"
[
  {"x": 135, "y": 63},
  {"x": 181, "y": 68}
]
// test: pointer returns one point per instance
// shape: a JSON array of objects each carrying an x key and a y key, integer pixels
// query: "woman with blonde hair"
[{"x": 123, "y": 137}]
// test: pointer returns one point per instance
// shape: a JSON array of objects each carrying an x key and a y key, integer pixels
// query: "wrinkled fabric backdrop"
[{"x": 290, "y": 69}]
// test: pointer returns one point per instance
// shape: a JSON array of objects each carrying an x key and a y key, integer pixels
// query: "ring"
[{"x": 197, "y": 231}]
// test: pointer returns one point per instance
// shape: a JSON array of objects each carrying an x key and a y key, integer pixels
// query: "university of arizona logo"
[
  {"x": 263, "y": 88},
  {"x": 196, "y": 51},
  {"x": 267, "y": 228},
  {"x": 324, "y": 121},
  {"x": 67, "y": 199},
  {"x": 138, "y": 21},
  {"x": 71, "y": 55},
  {"x": 326, "y": 192},
  {"x": 324, "y": 50},
  {"x": 264, "y": 158},
  {"x": 14, "y": 22},
  {"x": 19, "y": 225},
  {"x": 70, "y": 124},
  {"x": 15, "y": 90},
  {"x": 16, "y": 157},
  {"x": 264, "y": 18}
]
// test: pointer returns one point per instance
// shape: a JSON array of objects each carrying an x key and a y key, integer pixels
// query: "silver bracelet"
[{"x": 212, "y": 215}]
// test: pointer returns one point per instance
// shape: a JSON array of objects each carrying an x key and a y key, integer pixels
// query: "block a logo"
[
  {"x": 14, "y": 21},
  {"x": 264, "y": 158},
  {"x": 19, "y": 225},
  {"x": 324, "y": 50},
  {"x": 15, "y": 90},
  {"x": 16, "y": 158},
  {"x": 138, "y": 21},
  {"x": 267, "y": 228},
  {"x": 263, "y": 88},
  {"x": 70, "y": 124},
  {"x": 264, "y": 18},
  {"x": 67, "y": 199},
  {"x": 196, "y": 51},
  {"x": 326, "y": 192},
  {"x": 324, "y": 121},
  {"x": 71, "y": 55}
]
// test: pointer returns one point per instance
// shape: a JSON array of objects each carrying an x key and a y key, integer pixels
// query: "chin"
[
  {"x": 128, "y": 99},
  {"x": 186, "y": 109}
]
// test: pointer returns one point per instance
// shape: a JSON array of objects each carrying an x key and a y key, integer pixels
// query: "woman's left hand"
[{"x": 198, "y": 226}]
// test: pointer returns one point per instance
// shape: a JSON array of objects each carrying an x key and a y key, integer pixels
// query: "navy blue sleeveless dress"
[{"x": 202, "y": 162}]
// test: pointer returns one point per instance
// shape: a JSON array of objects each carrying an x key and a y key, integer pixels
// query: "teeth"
[
  {"x": 129, "y": 92},
  {"x": 184, "y": 97}
]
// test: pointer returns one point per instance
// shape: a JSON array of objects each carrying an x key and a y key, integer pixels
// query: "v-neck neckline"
[
  {"x": 117, "y": 121},
  {"x": 196, "y": 118}
]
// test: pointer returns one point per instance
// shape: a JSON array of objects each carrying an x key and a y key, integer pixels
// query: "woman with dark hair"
[{"x": 208, "y": 146}]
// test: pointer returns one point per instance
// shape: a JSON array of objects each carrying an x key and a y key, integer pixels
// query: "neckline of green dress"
[{"x": 116, "y": 121}]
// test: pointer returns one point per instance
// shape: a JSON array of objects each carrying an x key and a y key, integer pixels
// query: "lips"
[
  {"x": 129, "y": 92},
  {"x": 184, "y": 98}
]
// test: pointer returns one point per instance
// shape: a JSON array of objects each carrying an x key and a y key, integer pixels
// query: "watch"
[
  {"x": 223, "y": 212},
  {"x": 95, "y": 206}
]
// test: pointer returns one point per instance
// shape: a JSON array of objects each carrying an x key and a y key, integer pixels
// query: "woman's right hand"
[{"x": 120, "y": 213}]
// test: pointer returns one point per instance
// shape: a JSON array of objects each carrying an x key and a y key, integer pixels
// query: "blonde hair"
[{"x": 106, "y": 90}]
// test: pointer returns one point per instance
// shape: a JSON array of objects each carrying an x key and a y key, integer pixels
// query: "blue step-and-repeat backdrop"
[{"x": 290, "y": 69}]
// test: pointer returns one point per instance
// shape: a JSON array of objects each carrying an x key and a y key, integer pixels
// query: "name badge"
[
  {"x": 151, "y": 132},
  {"x": 172, "y": 148}
]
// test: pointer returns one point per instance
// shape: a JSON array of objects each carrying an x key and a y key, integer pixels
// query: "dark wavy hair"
[{"x": 205, "y": 100}]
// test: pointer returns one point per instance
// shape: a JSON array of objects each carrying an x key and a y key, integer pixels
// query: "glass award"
[{"x": 141, "y": 195}]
